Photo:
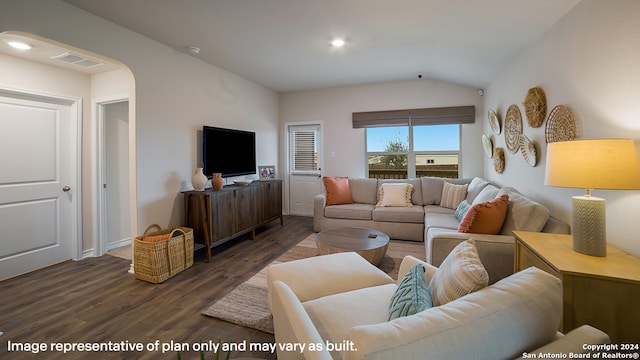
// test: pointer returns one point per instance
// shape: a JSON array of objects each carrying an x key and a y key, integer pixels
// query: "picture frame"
[{"x": 267, "y": 172}]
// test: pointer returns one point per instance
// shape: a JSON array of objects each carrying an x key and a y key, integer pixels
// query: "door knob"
[{"x": 66, "y": 188}]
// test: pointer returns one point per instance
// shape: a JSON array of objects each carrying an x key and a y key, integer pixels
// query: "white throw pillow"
[{"x": 395, "y": 194}]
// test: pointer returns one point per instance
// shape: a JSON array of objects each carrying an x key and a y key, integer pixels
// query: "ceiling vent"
[{"x": 77, "y": 60}]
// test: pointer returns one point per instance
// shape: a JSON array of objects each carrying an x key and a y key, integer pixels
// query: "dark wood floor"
[{"x": 97, "y": 300}]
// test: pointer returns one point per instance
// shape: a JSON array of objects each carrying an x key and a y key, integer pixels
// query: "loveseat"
[
  {"x": 340, "y": 304},
  {"x": 430, "y": 216}
]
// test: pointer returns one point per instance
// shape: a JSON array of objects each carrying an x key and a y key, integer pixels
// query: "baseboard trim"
[{"x": 119, "y": 243}]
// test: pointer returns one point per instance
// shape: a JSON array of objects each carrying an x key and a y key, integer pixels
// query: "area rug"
[
  {"x": 123, "y": 252},
  {"x": 247, "y": 304}
]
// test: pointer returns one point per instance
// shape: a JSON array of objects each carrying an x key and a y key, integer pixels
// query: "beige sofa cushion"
[
  {"x": 441, "y": 220},
  {"x": 363, "y": 191},
  {"x": 437, "y": 209},
  {"x": 413, "y": 214},
  {"x": 523, "y": 213},
  {"x": 523, "y": 312},
  {"x": 350, "y": 211}
]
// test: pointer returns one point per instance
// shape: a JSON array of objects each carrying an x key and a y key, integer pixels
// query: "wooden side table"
[{"x": 603, "y": 292}]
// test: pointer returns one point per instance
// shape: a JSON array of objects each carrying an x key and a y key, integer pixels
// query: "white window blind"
[{"x": 305, "y": 149}]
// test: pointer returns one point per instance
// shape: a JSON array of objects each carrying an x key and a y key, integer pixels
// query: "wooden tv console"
[{"x": 219, "y": 216}]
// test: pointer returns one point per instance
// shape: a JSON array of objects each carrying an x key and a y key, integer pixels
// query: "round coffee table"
[{"x": 370, "y": 244}]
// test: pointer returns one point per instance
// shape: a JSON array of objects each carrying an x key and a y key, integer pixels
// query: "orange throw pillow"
[
  {"x": 486, "y": 218},
  {"x": 338, "y": 191}
]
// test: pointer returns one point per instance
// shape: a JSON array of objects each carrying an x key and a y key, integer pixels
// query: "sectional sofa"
[
  {"x": 344, "y": 302},
  {"x": 430, "y": 216}
]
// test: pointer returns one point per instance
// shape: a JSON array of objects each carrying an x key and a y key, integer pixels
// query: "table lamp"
[{"x": 610, "y": 164}]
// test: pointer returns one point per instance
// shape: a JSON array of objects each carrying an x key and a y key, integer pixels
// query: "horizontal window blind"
[
  {"x": 415, "y": 117},
  {"x": 305, "y": 154}
]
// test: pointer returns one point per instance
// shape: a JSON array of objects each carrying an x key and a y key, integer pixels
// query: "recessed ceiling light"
[
  {"x": 337, "y": 43},
  {"x": 19, "y": 45}
]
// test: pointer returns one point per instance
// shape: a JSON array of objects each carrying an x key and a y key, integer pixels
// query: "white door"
[
  {"x": 38, "y": 189},
  {"x": 305, "y": 177}
]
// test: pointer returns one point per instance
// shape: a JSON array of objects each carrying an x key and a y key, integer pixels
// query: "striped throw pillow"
[
  {"x": 461, "y": 273},
  {"x": 452, "y": 195}
]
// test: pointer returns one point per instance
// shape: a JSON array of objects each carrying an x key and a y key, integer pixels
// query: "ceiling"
[
  {"x": 52, "y": 53},
  {"x": 285, "y": 44}
]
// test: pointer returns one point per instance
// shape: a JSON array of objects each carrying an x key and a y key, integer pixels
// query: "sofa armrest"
[
  {"x": 574, "y": 341},
  {"x": 319, "y": 203},
  {"x": 555, "y": 226},
  {"x": 409, "y": 261},
  {"x": 496, "y": 251},
  {"x": 293, "y": 325}
]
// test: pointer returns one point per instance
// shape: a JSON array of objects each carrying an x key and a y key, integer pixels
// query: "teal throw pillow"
[
  {"x": 462, "y": 209},
  {"x": 412, "y": 295}
]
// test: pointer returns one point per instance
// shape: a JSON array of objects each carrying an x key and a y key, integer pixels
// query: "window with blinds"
[{"x": 304, "y": 141}]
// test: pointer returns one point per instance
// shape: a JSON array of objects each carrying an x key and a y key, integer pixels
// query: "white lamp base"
[{"x": 589, "y": 225}]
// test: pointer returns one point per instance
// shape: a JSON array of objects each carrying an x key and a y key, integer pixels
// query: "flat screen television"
[{"x": 228, "y": 151}]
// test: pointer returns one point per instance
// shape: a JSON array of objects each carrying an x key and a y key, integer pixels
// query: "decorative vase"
[
  {"x": 216, "y": 182},
  {"x": 199, "y": 180}
]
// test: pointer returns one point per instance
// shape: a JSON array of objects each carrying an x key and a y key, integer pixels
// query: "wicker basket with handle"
[{"x": 156, "y": 261}]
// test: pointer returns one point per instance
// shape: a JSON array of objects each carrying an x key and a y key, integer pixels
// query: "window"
[
  {"x": 401, "y": 152},
  {"x": 304, "y": 157},
  {"x": 412, "y": 143}
]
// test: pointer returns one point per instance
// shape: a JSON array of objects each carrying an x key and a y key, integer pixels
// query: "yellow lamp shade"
[{"x": 593, "y": 164}]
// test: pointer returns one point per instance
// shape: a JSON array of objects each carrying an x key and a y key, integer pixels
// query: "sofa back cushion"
[
  {"x": 487, "y": 193},
  {"x": 523, "y": 213},
  {"x": 431, "y": 190},
  {"x": 363, "y": 191},
  {"x": 501, "y": 321},
  {"x": 475, "y": 186}
]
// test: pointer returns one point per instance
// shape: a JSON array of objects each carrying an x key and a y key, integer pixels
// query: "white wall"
[
  {"x": 334, "y": 107},
  {"x": 175, "y": 94},
  {"x": 589, "y": 61}
]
